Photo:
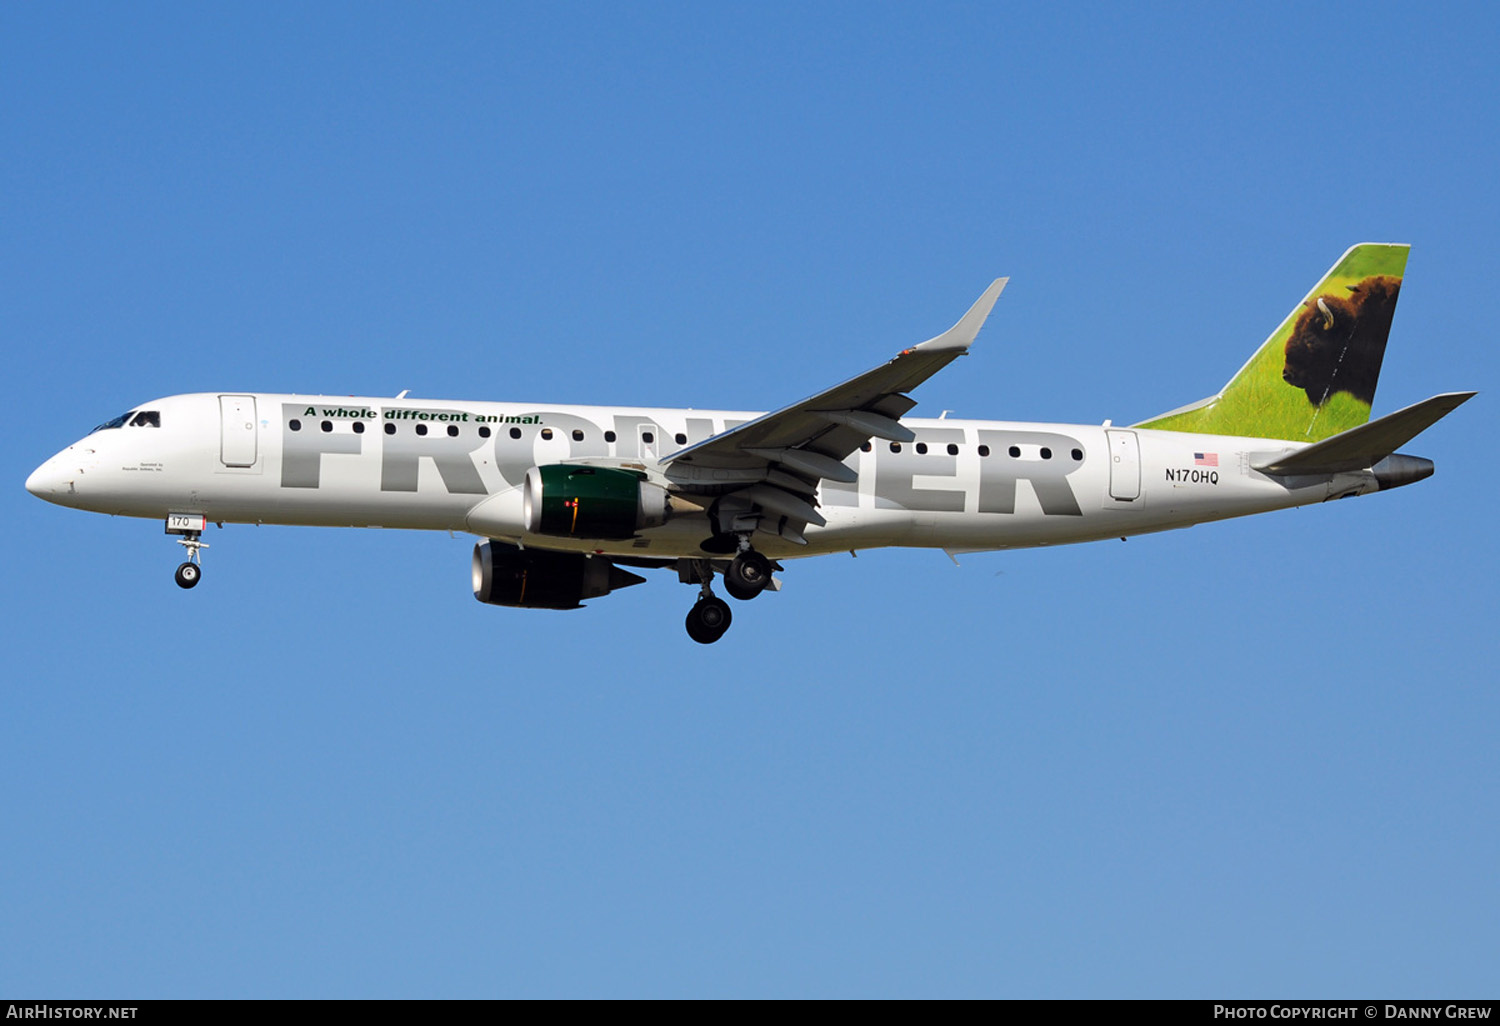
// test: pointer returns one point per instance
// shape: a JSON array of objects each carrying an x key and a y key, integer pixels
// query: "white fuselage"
[{"x": 457, "y": 465}]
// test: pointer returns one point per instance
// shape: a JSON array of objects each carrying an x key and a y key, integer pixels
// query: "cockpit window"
[
  {"x": 117, "y": 422},
  {"x": 146, "y": 418}
]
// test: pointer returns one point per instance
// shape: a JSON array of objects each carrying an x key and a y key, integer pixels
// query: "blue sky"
[{"x": 1249, "y": 759}]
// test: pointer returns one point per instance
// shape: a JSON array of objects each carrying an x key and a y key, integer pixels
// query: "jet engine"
[
  {"x": 505, "y": 575},
  {"x": 573, "y": 501}
]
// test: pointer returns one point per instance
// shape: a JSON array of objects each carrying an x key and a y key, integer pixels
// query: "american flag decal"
[{"x": 1205, "y": 459}]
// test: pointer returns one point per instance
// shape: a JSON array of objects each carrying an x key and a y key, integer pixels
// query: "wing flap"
[{"x": 809, "y": 461}]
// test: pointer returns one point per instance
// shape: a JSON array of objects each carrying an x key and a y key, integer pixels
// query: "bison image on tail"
[{"x": 1338, "y": 341}]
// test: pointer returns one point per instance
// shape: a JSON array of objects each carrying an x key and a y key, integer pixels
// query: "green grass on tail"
[
  {"x": 1258, "y": 415},
  {"x": 1371, "y": 259},
  {"x": 1258, "y": 398}
]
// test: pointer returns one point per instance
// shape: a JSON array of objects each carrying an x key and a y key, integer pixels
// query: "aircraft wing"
[{"x": 774, "y": 463}]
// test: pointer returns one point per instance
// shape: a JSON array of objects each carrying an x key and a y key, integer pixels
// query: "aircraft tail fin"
[{"x": 1315, "y": 376}]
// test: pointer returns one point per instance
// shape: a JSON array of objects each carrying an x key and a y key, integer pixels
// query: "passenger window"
[
  {"x": 452, "y": 430},
  {"x": 421, "y": 429},
  {"x": 1015, "y": 452},
  {"x": 359, "y": 427},
  {"x": 984, "y": 450},
  {"x": 681, "y": 438},
  {"x": 547, "y": 433},
  {"x": 515, "y": 432},
  {"x": 1046, "y": 453},
  {"x": 1078, "y": 454},
  {"x": 895, "y": 447},
  {"x": 952, "y": 449},
  {"x": 390, "y": 429},
  {"x": 648, "y": 437},
  {"x": 865, "y": 447},
  {"x": 921, "y": 448},
  {"x": 609, "y": 436},
  {"x": 296, "y": 425},
  {"x": 577, "y": 435},
  {"x": 484, "y": 432},
  {"x": 327, "y": 426}
]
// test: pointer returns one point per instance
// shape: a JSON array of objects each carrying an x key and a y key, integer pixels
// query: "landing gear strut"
[
  {"x": 710, "y": 616},
  {"x": 190, "y": 572}
]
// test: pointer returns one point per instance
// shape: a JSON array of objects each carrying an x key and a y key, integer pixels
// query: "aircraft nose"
[
  {"x": 43, "y": 480},
  {"x": 49, "y": 480}
]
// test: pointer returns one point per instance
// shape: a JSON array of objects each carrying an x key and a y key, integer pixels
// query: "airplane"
[{"x": 563, "y": 499}]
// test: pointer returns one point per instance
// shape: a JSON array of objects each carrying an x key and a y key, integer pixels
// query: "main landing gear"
[
  {"x": 708, "y": 619},
  {"x": 747, "y": 575},
  {"x": 710, "y": 616}
]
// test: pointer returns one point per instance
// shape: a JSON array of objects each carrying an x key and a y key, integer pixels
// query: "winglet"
[{"x": 962, "y": 334}]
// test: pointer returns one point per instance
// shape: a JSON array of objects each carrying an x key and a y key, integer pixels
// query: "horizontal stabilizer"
[{"x": 1368, "y": 444}]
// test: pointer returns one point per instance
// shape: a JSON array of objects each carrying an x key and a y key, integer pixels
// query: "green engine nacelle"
[{"x": 571, "y": 501}]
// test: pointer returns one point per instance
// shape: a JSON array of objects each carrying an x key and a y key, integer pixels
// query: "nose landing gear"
[
  {"x": 190, "y": 571},
  {"x": 189, "y": 527},
  {"x": 187, "y": 575}
]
